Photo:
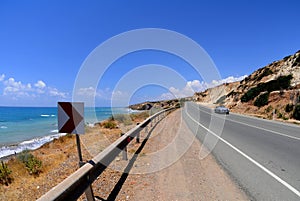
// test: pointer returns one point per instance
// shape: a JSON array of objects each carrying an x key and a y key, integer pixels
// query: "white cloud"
[
  {"x": 196, "y": 86},
  {"x": 16, "y": 89},
  {"x": 55, "y": 92},
  {"x": 88, "y": 91},
  {"x": 40, "y": 84},
  {"x": 2, "y": 77}
]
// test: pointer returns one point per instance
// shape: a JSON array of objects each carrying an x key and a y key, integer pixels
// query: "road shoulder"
[{"x": 187, "y": 178}]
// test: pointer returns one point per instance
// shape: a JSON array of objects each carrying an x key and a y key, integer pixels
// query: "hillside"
[
  {"x": 163, "y": 104},
  {"x": 271, "y": 92}
]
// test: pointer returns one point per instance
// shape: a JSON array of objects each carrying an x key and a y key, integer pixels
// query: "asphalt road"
[{"x": 262, "y": 156}]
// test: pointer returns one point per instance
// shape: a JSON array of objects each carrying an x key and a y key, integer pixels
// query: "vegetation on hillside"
[
  {"x": 281, "y": 83},
  {"x": 296, "y": 113},
  {"x": 5, "y": 172},
  {"x": 32, "y": 164},
  {"x": 262, "y": 100}
]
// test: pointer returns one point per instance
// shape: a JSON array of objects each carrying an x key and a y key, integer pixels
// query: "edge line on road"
[{"x": 284, "y": 183}]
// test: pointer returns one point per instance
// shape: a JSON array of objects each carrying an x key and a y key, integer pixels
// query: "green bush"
[
  {"x": 250, "y": 95},
  {"x": 262, "y": 100},
  {"x": 289, "y": 108},
  {"x": 109, "y": 124},
  {"x": 266, "y": 72},
  {"x": 269, "y": 109},
  {"x": 282, "y": 82},
  {"x": 279, "y": 115},
  {"x": 33, "y": 164},
  {"x": 296, "y": 113},
  {"x": 285, "y": 118},
  {"x": 5, "y": 174}
]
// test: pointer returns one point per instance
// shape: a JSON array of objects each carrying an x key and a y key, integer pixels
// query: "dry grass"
[{"x": 59, "y": 159}]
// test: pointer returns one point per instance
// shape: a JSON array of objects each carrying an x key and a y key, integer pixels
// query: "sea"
[{"x": 24, "y": 128}]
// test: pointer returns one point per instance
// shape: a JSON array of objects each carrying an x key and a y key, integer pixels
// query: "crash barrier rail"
[{"x": 78, "y": 182}]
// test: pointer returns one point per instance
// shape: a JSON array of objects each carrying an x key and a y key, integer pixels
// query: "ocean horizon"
[{"x": 24, "y": 128}]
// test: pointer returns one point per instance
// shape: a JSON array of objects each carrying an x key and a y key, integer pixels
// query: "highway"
[{"x": 262, "y": 156}]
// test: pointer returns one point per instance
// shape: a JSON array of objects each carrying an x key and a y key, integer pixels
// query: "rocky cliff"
[{"x": 271, "y": 92}]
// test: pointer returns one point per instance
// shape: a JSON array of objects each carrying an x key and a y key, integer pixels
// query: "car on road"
[{"x": 221, "y": 110}]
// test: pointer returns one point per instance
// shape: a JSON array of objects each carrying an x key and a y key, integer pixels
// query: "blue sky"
[{"x": 44, "y": 43}]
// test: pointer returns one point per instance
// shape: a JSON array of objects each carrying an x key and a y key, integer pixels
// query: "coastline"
[{"x": 38, "y": 138}]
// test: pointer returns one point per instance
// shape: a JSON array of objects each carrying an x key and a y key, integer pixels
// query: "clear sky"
[{"x": 44, "y": 43}]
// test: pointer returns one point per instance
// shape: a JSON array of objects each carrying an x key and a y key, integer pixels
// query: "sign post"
[{"x": 71, "y": 120}]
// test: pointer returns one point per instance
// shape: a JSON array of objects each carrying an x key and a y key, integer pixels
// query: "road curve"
[{"x": 262, "y": 156}]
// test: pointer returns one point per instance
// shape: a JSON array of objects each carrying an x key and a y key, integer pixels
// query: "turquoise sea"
[{"x": 30, "y": 127}]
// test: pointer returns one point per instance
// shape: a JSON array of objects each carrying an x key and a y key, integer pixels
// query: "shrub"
[
  {"x": 266, "y": 72},
  {"x": 296, "y": 113},
  {"x": 33, "y": 164},
  {"x": 262, "y": 100},
  {"x": 109, "y": 124},
  {"x": 250, "y": 95},
  {"x": 285, "y": 118},
  {"x": 24, "y": 156},
  {"x": 282, "y": 82},
  {"x": 289, "y": 108},
  {"x": 269, "y": 109},
  {"x": 5, "y": 174}
]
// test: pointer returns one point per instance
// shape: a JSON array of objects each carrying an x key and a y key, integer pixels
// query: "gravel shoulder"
[{"x": 169, "y": 168}]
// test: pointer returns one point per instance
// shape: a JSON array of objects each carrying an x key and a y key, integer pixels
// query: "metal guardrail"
[{"x": 76, "y": 184}]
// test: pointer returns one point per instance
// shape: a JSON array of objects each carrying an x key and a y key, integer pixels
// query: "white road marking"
[
  {"x": 275, "y": 132},
  {"x": 287, "y": 185}
]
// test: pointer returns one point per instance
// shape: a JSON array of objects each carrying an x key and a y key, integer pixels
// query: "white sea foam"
[
  {"x": 91, "y": 125},
  {"x": 28, "y": 144},
  {"x": 3, "y": 127},
  {"x": 54, "y": 131},
  {"x": 45, "y": 115}
]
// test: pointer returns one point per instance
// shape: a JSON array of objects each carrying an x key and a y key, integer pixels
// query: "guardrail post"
[
  {"x": 138, "y": 138},
  {"x": 124, "y": 152},
  {"x": 138, "y": 135}
]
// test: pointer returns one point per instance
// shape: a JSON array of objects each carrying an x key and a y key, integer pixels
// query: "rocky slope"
[
  {"x": 159, "y": 104},
  {"x": 279, "y": 81}
]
